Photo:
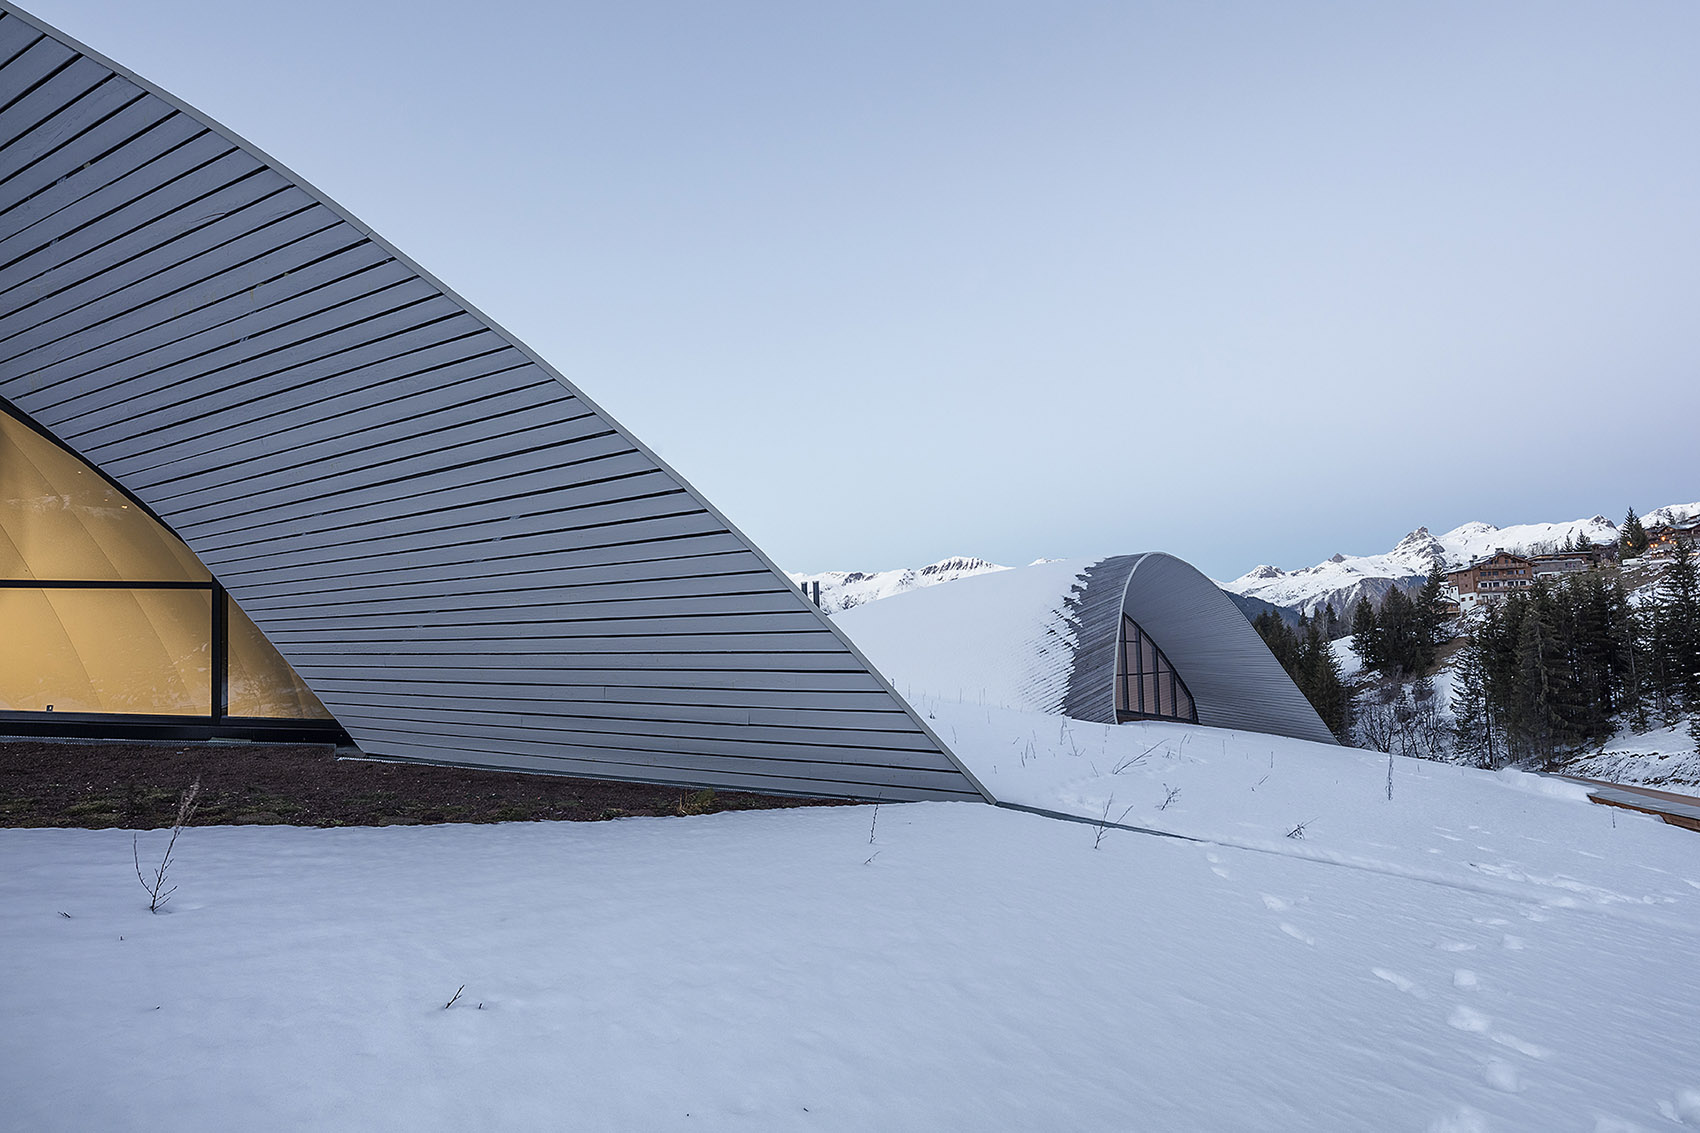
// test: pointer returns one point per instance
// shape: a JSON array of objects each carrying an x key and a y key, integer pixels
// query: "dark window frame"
[
  {"x": 1132, "y": 678},
  {"x": 215, "y": 724}
]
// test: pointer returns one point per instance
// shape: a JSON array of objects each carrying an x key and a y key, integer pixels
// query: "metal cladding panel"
[
  {"x": 1094, "y": 605},
  {"x": 1234, "y": 680},
  {"x": 464, "y": 557}
]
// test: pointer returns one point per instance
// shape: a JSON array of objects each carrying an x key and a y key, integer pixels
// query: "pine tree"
[
  {"x": 1679, "y": 598},
  {"x": 1592, "y": 652},
  {"x": 1629, "y": 645},
  {"x": 1545, "y": 709},
  {"x": 1310, "y": 662},
  {"x": 1472, "y": 717},
  {"x": 1366, "y": 635},
  {"x": 1401, "y": 649},
  {"x": 1280, "y": 638},
  {"x": 1318, "y": 676},
  {"x": 1430, "y": 617},
  {"x": 1632, "y": 536}
]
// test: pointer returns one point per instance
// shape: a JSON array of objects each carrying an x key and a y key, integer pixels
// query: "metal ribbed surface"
[
  {"x": 1094, "y": 605},
  {"x": 465, "y": 559},
  {"x": 1234, "y": 680}
]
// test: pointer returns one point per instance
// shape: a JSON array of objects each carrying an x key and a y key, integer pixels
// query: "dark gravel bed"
[{"x": 99, "y": 784}]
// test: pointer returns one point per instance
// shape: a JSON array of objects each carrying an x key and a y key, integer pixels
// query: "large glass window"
[
  {"x": 260, "y": 682},
  {"x": 103, "y": 611},
  {"x": 103, "y": 650},
  {"x": 1147, "y": 686}
]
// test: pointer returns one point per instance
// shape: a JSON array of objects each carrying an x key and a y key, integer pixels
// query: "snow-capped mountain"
[
  {"x": 1343, "y": 579},
  {"x": 840, "y": 590},
  {"x": 1672, "y": 513}
]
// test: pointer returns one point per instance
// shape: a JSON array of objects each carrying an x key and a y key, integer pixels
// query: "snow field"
[
  {"x": 1475, "y": 952},
  {"x": 970, "y": 968},
  {"x": 1526, "y": 837}
]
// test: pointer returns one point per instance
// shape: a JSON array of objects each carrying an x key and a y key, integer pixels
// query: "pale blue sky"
[{"x": 891, "y": 281}]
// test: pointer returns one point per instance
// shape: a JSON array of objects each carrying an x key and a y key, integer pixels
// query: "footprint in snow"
[
  {"x": 1469, "y": 1019},
  {"x": 1466, "y": 1120},
  {"x": 1512, "y": 943},
  {"x": 1685, "y": 1107},
  {"x": 1528, "y": 1050},
  {"x": 1220, "y": 872},
  {"x": 1464, "y": 978},
  {"x": 1455, "y": 946},
  {"x": 1401, "y": 982},
  {"x": 1297, "y": 934},
  {"x": 1275, "y": 904},
  {"x": 1501, "y": 1075}
]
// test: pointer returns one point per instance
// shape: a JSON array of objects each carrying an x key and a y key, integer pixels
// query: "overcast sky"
[{"x": 894, "y": 281}]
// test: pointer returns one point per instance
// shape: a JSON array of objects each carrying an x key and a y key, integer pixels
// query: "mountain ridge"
[
  {"x": 1340, "y": 579},
  {"x": 1343, "y": 579}
]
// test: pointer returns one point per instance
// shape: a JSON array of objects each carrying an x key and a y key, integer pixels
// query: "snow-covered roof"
[{"x": 1043, "y": 638}]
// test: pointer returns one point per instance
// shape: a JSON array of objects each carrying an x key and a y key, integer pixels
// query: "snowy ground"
[
  {"x": 1481, "y": 953},
  {"x": 1662, "y": 757}
]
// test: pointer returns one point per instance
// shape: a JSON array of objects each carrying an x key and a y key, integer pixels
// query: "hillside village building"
[
  {"x": 1559, "y": 563},
  {"x": 1662, "y": 539},
  {"x": 1491, "y": 579},
  {"x": 262, "y": 476}
]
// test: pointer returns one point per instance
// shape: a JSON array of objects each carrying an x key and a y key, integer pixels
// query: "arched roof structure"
[
  {"x": 1046, "y": 638},
  {"x": 462, "y": 555},
  {"x": 1234, "y": 680}
]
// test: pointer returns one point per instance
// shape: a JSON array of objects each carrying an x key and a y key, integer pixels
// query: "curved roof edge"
[
  {"x": 1234, "y": 680},
  {"x": 123, "y": 455}
]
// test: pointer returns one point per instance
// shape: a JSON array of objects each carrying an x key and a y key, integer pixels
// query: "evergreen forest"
[{"x": 1549, "y": 671}]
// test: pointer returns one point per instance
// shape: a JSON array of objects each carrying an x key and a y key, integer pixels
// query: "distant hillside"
[
  {"x": 1343, "y": 579},
  {"x": 840, "y": 590},
  {"x": 1252, "y": 608}
]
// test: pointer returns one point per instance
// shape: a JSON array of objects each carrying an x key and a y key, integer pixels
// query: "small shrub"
[{"x": 699, "y": 803}]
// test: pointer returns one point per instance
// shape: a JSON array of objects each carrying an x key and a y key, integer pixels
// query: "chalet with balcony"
[
  {"x": 1662, "y": 539},
  {"x": 1490, "y": 579}
]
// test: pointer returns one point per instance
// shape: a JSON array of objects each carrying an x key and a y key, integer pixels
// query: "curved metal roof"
[
  {"x": 1234, "y": 680},
  {"x": 464, "y": 557}
]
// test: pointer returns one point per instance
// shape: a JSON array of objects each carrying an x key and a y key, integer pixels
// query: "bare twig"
[
  {"x": 875, "y": 823},
  {"x": 454, "y": 997},
  {"x": 1172, "y": 793},
  {"x": 1299, "y": 830},
  {"x": 1104, "y": 825},
  {"x": 158, "y": 894},
  {"x": 1135, "y": 760}
]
